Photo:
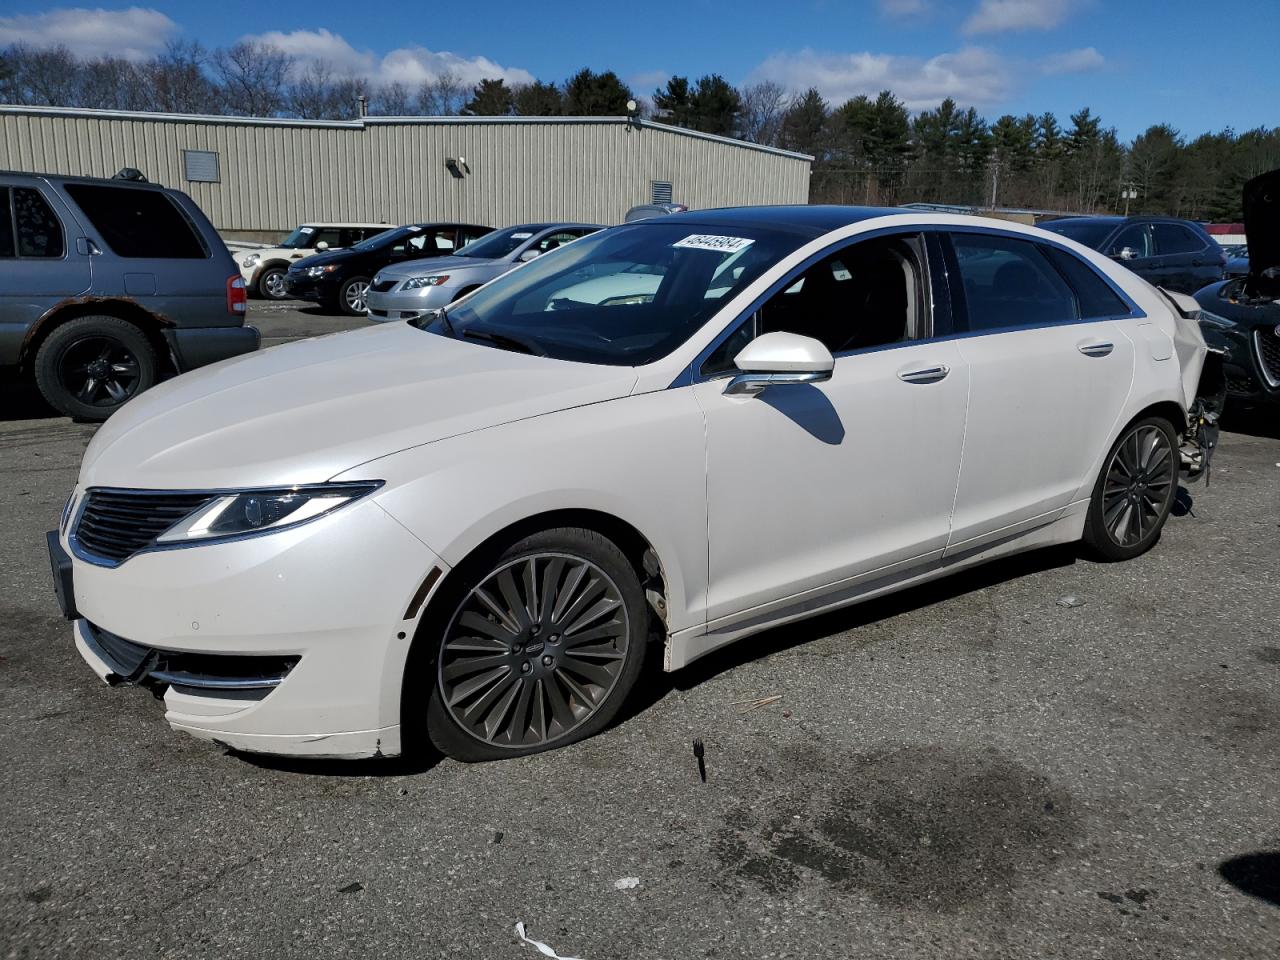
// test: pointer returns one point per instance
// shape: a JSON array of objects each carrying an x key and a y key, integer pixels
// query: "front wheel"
[
  {"x": 541, "y": 646},
  {"x": 353, "y": 297},
  {"x": 271, "y": 284},
  {"x": 1135, "y": 491}
]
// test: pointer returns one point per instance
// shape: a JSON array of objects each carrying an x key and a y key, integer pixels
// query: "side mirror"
[
  {"x": 322, "y": 245},
  {"x": 1125, "y": 253},
  {"x": 780, "y": 358},
  {"x": 530, "y": 254}
]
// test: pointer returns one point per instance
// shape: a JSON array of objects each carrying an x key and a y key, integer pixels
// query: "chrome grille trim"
[
  {"x": 1266, "y": 345},
  {"x": 112, "y": 525}
]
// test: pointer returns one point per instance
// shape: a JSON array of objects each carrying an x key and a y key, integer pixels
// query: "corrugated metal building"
[{"x": 264, "y": 176}]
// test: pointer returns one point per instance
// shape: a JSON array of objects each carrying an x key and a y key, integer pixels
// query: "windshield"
[
  {"x": 1091, "y": 233},
  {"x": 300, "y": 239},
  {"x": 624, "y": 296},
  {"x": 386, "y": 238},
  {"x": 497, "y": 244}
]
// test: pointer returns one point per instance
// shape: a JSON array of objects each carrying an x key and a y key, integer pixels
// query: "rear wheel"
[
  {"x": 89, "y": 367},
  {"x": 540, "y": 648},
  {"x": 1135, "y": 491}
]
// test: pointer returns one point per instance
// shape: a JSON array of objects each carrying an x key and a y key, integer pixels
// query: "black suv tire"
[{"x": 87, "y": 368}]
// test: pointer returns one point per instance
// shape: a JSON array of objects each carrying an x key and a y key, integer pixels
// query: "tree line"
[{"x": 870, "y": 150}]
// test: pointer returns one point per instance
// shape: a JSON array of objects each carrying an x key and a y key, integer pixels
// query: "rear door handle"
[
  {"x": 1096, "y": 349},
  {"x": 924, "y": 375}
]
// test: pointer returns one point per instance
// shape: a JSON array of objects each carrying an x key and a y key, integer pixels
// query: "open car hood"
[{"x": 1262, "y": 222}]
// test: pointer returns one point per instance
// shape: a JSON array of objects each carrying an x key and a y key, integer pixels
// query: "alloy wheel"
[
  {"x": 99, "y": 371},
  {"x": 1139, "y": 480},
  {"x": 534, "y": 650},
  {"x": 355, "y": 294},
  {"x": 273, "y": 284}
]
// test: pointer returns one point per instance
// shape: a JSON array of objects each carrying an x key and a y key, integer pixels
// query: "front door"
[{"x": 814, "y": 485}]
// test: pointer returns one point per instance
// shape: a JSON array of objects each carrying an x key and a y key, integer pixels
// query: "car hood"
[
  {"x": 424, "y": 268},
  {"x": 309, "y": 410},
  {"x": 1262, "y": 221},
  {"x": 329, "y": 256}
]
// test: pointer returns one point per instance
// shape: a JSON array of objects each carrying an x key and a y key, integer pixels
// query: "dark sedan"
[
  {"x": 340, "y": 280},
  {"x": 1241, "y": 316},
  {"x": 1174, "y": 254}
]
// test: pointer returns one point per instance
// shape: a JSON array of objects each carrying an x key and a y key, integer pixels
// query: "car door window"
[
  {"x": 1137, "y": 238},
  {"x": 1095, "y": 298},
  {"x": 6, "y": 223},
  {"x": 470, "y": 234},
  {"x": 869, "y": 294},
  {"x": 1009, "y": 282},
  {"x": 1173, "y": 238},
  {"x": 37, "y": 231},
  {"x": 142, "y": 224},
  {"x": 553, "y": 240},
  {"x": 333, "y": 237}
]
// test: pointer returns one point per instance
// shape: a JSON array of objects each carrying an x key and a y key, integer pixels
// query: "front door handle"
[
  {"x": 1096, "y": 349},
  {"x": 925, "y": 375}
]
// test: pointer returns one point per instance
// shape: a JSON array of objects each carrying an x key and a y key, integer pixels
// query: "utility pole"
[
  {"x": 995, "y": 178},
  {"x": 1129, "y": 194}
]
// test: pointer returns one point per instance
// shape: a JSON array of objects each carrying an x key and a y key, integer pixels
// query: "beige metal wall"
[{"x": 275, "y": 175}]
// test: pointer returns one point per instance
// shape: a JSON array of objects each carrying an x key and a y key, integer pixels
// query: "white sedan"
[{"x": 476, "y": 526}]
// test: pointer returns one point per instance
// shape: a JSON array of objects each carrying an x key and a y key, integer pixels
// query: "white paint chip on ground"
[
  {"x": 1071, "y": 602},
  {"x": 626, "y": 883},
  {"x": 541, "y": 947}
]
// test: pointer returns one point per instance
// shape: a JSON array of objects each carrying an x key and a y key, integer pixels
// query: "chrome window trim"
[
  {"x": 693, "y": 372},
  {"x": 152, "y": 546}
]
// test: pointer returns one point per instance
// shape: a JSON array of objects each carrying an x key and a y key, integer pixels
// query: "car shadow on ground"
[
  {"x": 779, "y": 639},
  {"x": 1253, "y": 421},
  {"x": 1257, "y": 874},
  {"x": 21, "y": 400}
]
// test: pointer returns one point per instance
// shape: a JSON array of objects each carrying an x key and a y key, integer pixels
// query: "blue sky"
[{"x": 1200, "y": 66}]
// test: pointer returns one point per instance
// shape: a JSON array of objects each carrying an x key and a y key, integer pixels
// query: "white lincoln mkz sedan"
[{"x": 658, "y": 439}]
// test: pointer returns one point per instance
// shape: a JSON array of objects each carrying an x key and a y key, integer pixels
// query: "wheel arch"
[{"x": 150, "y": 324}]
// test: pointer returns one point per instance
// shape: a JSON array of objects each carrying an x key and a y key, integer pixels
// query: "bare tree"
[
  {"x": 442, "y": 95},
  {"x": 315, "y": 95},
  {"x": 112, "y": 83},
  {"x": 176, "y": 81},
  {"x": 44, "y": 77},
  {"x": 763, "y": 106},
  {"x": 254, "y": 77},
  {"x": 391, "y": 100}
]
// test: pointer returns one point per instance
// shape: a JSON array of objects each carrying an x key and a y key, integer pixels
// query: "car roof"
[
  {"x": 98, "y": 181},
  {"x": 346, "y": 223},
  {"x": 813, "y": 220},
  {"x": 1116, "y": 219},
  {"x": 550, "y": 225}
]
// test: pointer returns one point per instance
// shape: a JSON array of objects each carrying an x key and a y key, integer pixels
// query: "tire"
[
  {"x": 1134, "y": 492},
  {"x": 112, "y": 353},
  {"x": 353, "y": 297},
  {"x": 496, "y": 689},
  {"x": 271, "y": 284}
]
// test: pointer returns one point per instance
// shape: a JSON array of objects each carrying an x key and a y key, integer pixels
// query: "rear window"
[
  {"x": 1175, "y": 238},
  {"x": 139, "y": 223},
  {"x": 38, "y": 232},
  {"x": 1009, "y": 283}
]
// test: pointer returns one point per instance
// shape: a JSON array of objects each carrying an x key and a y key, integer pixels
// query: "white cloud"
[
  {"x": 135, "y": 33},
  {"x": 407, "y": 65},
  {"x": 904, "y": 9},
  {"x": 1084, "y": 60},
  {"x": 647, "y": 82},
  {"x": 972, "y": 75},
  {"x": 999, "y": 16}
]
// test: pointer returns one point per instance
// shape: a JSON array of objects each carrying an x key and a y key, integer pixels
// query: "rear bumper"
[{"x": 197, "y": 346}]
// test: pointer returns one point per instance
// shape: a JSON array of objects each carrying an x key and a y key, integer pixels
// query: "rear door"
[
  {"x": 1050, "y": 369},
  {"x": 1186, "y": 260},
  {"x": 43, "y": 262}
]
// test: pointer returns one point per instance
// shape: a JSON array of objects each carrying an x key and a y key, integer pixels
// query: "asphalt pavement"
[{"x": 1046, "y": 757}]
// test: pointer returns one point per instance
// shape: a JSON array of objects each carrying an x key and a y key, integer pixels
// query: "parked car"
[
  {"x": 108, "y": 285},
  {"x": 483, "y": 522},
  {"x": 263, "y": 267},
  {"x": 646, "y": 210},
  {"x": 404, "y": 291},
  {"x": 1241, "y": 316},
  {"x": 339, "y": 279},
  {"x": 1174, "y": 254}
]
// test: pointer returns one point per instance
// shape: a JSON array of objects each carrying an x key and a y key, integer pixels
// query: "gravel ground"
[{"x": 969, "y": 769}]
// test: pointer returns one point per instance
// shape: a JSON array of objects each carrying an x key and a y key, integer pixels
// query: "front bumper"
[
  {"x": 197, "y": 346},
  {"x": 410, "y": 305},
  {"x": 289, "y": 643},
  {"x": 315, "y": 289}
]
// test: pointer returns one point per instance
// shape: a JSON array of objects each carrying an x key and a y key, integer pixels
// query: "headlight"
[
  {"x": 1213, "y": 320},
  {"x": 321, "y": 271},
  {"x": 417, "y": 283},
  {"x": 249, "y": 512},
  {"x": 251, "y": 259}
]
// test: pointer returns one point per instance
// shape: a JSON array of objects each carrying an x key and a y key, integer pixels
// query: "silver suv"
[{"x": 107, "y": 285}]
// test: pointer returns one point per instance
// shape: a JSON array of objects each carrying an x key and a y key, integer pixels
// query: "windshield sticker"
[
  {"x": 306, "y": 230},
  {"x": 521, "y": 236},
  {"x": 707, "y": 241}
]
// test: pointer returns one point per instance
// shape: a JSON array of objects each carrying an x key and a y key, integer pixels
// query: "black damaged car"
[
  {"x": 1241, "y": 316},
  {"x": 340, "y": 280}
]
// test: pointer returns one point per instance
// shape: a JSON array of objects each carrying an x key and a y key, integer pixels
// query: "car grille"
[
  {"x": 382, "y": 286},
  {"x": 1267, "y": 343},
  {"x": 113, "y": 525}
]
